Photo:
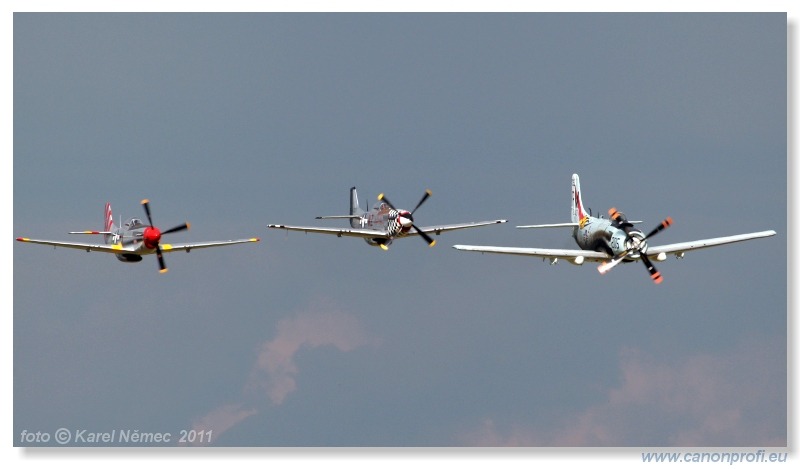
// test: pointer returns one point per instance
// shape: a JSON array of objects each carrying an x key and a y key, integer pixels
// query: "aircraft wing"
[
  {"x": 680, "y": 248},
  {"x": 167, "y": 247},
  {"x": 576, "y": 256},
  {"x": 552, "y": 225},
  {"x": 134, "y": 248},
  {"x": 439, "y": 229},
  {"x": 112, "y": 248},
  {"x": 351, "y": 232}
]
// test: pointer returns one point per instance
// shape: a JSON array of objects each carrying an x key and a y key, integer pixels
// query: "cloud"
[
  {"x": 221, "y": 419},
  {"x": 737, "y": 398},
  {"x": 275, "y": 368},
  {"x": 273, "y": 374}
]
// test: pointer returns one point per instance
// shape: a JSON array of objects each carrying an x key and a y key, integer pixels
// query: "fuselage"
[
  {"x": 135, "y": 232},
  {"x": 611, "y": 236},
  {"x": 602, "y": 235},
  {"x": 396, "y": 223}
]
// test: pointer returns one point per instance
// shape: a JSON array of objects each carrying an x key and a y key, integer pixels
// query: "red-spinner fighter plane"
[
  {"x": 134, "y": 239},
  {"x": 383, "y": 223},
  {"x": 611, "y": 241}
]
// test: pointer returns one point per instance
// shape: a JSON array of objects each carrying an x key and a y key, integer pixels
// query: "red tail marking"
[
  {"x": 578, "y": 204},
  {"x": 109, "y": 222}
]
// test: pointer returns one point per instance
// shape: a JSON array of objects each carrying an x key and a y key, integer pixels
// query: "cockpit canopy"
[{"x": 134, "y": 223}]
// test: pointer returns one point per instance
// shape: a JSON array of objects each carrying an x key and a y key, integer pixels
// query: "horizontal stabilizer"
[{"x": 92, "y": 232}]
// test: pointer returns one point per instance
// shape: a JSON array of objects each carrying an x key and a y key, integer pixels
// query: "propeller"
[
  {"x": 151, "y": 236},
  {"x": 637, "y": 245},
  {"x": 410, "y": 215}
]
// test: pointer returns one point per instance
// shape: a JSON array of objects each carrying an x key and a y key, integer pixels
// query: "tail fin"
[
  {"x": 355, "y": 208},
  {"x": 578, "y": 212},
  {"x": 108, "y": 224}
]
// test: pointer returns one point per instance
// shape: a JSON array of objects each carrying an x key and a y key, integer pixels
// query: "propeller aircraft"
[
  {"x": 612, "y": 241},
  {"x": 383, "y": 223},
  {"x": 135, "y": 239}
]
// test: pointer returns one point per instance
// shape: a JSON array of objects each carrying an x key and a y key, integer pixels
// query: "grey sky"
[{"x": 235, "y": 121}]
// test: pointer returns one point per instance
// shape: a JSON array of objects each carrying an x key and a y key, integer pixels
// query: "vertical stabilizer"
[
  {"x": 108, "y": 223},
  {"x": 355, "y": 209},
  {"x": 578, "y": 212}
]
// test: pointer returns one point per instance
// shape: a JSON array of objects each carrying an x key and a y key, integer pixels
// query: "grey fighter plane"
[
  {"x": 383, "y": 223},
  {"x": 611, "y": 241}
]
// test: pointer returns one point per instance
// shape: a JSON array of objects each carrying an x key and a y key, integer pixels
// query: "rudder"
[
  {"x": 578, "y": 212},
  {"x": 355, "y": 209},
  {"x": 108, "y": 223}
]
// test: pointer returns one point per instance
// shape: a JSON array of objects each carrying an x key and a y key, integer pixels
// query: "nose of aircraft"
[
  {"x": 406, "y": 219},
  {"x": 151, "y": 237},
  {"x": 636, "y": 242}
]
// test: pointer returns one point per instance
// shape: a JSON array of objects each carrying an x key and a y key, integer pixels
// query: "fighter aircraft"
[
  {"x": 611, "y": 241},
  {"x": 383, "y": 223},
  {"x": 134, "y": 239}
]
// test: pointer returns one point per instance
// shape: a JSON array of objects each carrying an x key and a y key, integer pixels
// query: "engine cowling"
[
  {"x": 151, "y": 237},
  {"x": 635, "y": 244}
]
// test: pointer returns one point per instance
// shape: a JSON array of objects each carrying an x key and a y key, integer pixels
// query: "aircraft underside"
[
  {"x": 129, "y": 257},
  {"x": 378, "y": 241}
]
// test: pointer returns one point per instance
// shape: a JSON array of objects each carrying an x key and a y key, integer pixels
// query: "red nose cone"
[{"x": 151, "y": 237}]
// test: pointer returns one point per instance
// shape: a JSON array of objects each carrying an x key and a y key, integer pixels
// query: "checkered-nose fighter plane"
[
  {"x": 611, "y": 241},
  {"x": 383, "y": 223},
  {"x": 135, "y": 239}
]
